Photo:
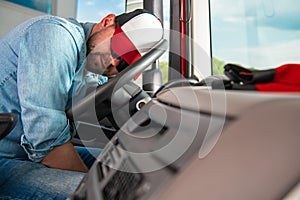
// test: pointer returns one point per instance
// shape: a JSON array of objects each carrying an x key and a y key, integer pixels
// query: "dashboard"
[{"x": 198, "y": 143}]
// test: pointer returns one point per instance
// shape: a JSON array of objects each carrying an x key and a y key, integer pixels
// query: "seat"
[{"x": 7, "y": 123}]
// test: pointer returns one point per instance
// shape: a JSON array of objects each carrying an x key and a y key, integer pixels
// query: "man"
[{"x": 43, "y": 63}]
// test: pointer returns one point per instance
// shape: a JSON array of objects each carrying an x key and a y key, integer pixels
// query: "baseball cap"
[{"x": 135, "y": 34}]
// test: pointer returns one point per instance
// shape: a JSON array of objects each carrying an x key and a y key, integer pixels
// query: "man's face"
[{"x": 99, "y": 59}]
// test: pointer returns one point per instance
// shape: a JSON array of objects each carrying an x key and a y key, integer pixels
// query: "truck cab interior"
[{"x": 172, "y": 134}]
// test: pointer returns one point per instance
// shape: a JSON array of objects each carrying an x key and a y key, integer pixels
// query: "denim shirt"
[{"x": 41, "y": 75}]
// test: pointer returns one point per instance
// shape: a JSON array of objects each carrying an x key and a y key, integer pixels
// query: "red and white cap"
[{"x": 136, "y": 33}]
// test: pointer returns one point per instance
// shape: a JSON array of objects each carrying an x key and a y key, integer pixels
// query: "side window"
[
  {"x": 256, "y": 34},
  {"x": 164, "y": 61},
  {"x": 42, "y": 6},
  {"x": 95, "y": 10}
]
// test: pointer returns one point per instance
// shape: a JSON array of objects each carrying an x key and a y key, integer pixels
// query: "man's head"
[{"x": 118, "y": 41}]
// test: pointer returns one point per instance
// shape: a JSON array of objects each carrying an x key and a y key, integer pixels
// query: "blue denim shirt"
[{"x": 41, "y": 75}]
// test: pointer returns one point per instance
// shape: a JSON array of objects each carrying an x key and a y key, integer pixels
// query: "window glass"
[
  {"x": 95, "y": 10},
  {"x": 256, "y": 34},
  {"x": 164, "y": 60},
  {"x": 39, "y": 5}
]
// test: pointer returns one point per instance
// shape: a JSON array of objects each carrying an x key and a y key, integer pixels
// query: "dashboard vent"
[{"x": 122, "y": 184}]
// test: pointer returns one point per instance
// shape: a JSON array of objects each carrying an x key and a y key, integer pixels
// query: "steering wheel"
[{"x": 103, "y": 94}]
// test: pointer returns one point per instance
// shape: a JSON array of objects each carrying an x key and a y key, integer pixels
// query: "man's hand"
[{"x": 65, "y": 157}]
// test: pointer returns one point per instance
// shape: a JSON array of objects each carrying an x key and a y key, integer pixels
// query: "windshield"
[{"x": 256, "y": 34}]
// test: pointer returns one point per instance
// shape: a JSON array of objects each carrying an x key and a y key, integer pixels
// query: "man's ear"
[{"x": 108, "y": 20}]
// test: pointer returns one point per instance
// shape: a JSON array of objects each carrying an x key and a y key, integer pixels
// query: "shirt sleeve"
[
  {"x": 103, "y": 79},
  {"x": 46, "y": 68},
  {"x": 94, "y": 80}
]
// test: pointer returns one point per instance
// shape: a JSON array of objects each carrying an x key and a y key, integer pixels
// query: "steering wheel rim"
[{"x": 105, "y": 92}]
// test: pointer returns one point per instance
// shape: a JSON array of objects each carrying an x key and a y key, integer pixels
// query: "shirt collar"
[{"x": 87, "y": 27}]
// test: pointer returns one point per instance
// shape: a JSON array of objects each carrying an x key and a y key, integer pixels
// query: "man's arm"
[
  {"x": 47, "y": 80},
  {"x": 64, "y": 157}
]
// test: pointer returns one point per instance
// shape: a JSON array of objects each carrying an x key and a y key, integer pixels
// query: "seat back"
[{"x": 7, "y": 123}]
